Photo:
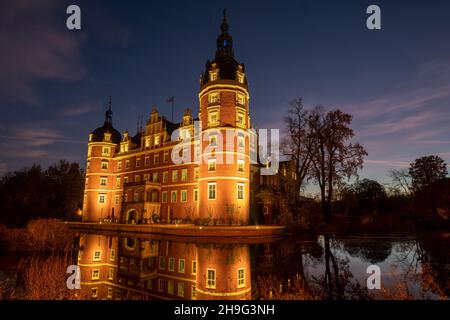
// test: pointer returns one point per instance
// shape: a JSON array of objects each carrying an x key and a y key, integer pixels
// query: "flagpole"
[{"x": 173, "y": 102}]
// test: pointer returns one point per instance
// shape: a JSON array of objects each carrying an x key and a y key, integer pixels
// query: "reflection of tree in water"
[
  {"x": 291, "y": 281},
  {"x": 371, "y": 250}
]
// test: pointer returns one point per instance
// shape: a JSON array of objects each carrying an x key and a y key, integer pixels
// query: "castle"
[{"x": 136, "y": 179}]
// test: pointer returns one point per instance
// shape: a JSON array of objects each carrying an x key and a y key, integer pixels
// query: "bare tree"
[
  {"x": 333, "y": 156},
  {"x": 401, "y": 180}
]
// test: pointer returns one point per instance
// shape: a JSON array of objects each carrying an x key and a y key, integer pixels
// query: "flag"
[{"x": 171, "y": 100}]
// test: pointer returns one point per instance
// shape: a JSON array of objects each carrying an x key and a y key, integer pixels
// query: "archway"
[{"x": 131, "y": 217}]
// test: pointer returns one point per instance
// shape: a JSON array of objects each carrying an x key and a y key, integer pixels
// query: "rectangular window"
[
  {"x": 166, "y": 157},
  {"x": 213, "y": 141},
  {"x": 155, "y": 177},
  {"x": 116, "y": 199},
  {"x": 165, "y": 176},
  {"x": 118, "y": 182},
  {"x": 110, "y": 293},
  {"x": 111, "y": 274},
  {"x": 181, "y": 289},
  {"x": 104, "y": 164},
  {"x": 213, "y": 97},
  {"x": 162, "y": 263},
  {"x": 156, "y": 158},
  {"x": 194, "y": 267},
  {"x": 240, "y": 191},
  {"x": 103, "y": 181},
  {"x": 95, "y": 274},
  {"x": 184, "y": 175},
  {"x": 211, "y": 164},
  {"x": 88, "y": 164},
  {"x": 173, "y": 197},
  {"x": 138, "y": 162},
  {"x": 170, "y": 287},
  {"x": 147, "y": 160},
  {"x": 164, "y": 196},
  {"x": 112, "y": 255},
  {"x": 119, "y": 165},
  {"x": 240, "y": 118},
  {"x": 241, "y": 278},
  {"x": 183, "y": 195},
  {"x": 94, "y": 293},
  {"x": 212, "y": 191},
  {"x": 195, "y": 195},
  {"x": 105, "y": 151},
  {"x": 146, "y": 177},
  {"x": 160, "y": 285},
  {"x": 172, "y": 264},
  {"x": 210, "y": 278},
  {"x": 137, "y": 178},
  {"x": 174, "y": 175},
  {"x": 102, "y": 198},
  {"x": 240, "y": 165},
  {"x": 150, "y": 284},
  {"x": 213, "y": 118},
  {"x": 157, "y": 140},
  {"x": 181, "y": 266},
  {"x": 127, "y": 164},
  {"x": 193, "y": 292},
  {"x": 97, "y": 256},
  {"x": 196, "y": 173},
  {"x": 136, "y": 197},
  {"x": 240, "y": 99},
  {"x": 241, "y": 142}
]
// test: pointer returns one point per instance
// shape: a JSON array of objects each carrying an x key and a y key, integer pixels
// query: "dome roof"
[{"x": 98, "y": 135}]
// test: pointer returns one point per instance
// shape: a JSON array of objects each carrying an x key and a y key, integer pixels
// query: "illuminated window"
[
  {"x": 138, "y": 161},
  {"x": 104, "y": 164},
  {"x": 210, "y": 278},
  {"x": 211, "y": 164},
  {"x": 213, "y": 75},
  {"x": 196, "y": 173},
  {"x": 119, "y": 165},
  {"x": 240, "y": 77},
  {"x": 166, "y": 156},
  {"x": 212, "y": 191},
  {"x": 97, "y": 256},
  {"x": 240, "y": 165},
  {"x": 240, "y": 99},
  {"x": 110, "y": 293},
  {"x": 173, "y": 197},
  {"x": 147, "y": 160},
  {"x": 103, "y": 181},
  {"x": 194, "y": 267},
  {"x": 127, "y": 164},
  {"x": 136, "y": 197},
  {"x": 157, "y": 140},
  {"x": 164, "y": 196},
  {"x": 116, "y": 199},
  {"x": 213, "y": 97},
  {"x": 241, "y": 142},
  {"x": 137, "y": 178},
  {"x": 146, "y": 177},
  {"x": 240, "y": 191},
  {"x": 94, "y": 293},
  {"x": 174, "y": 175},
  {"x": 183, "y": 195},
  {"x": 193, "y": 292},
  {"x": 170, "y": 287},
  {"x": 112, "y": 255},
  {"x": 156, "y": 158},
  {"x": 241, "y": 278},
  {"x": 165, "y": 176},
  {"x": 240, "y": 119},
  {"x": 213, "y": 118},
  {"x": 155, "y": 177},
  {"x": 213, "y": 141},
  {"x": 181, "y": 266},
  {"x": 195, "y": 195},
  {"x": 88, "y": 164},
  {"x": 95, "y": 274},
  {"x": 118, "y": 182},
  {"x": 102, "y": 198},
  {"x": 125, "y": 179},
  {"x": 105, "y": 151},
  {"x": 181, "y": 289},
  {"x": 184, "y": 175},
  {"x": 147, "y": 142},
  {"x": 162, "y": 263},
  {"x": 172, "y": 264}
]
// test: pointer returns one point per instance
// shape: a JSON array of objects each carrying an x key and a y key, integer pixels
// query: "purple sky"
[{"x": 55, "y": 83}]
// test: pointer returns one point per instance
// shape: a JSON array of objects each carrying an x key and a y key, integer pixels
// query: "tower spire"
[
  {"x": 224, "y": 41},
  {"x": 109, "y": 113}
]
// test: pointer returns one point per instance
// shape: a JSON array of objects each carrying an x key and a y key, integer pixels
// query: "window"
[
  {"x": 116, "y": 199},
  {"x": 211, "y": 164},
  {"x": 173, "y": 196},
  {"x": 213, "y": 97},
  {"x": 157, "y": 140},
  {"x": 193, "y": 292},
  {"x": 172, "y": 264},
  {"x": 111, "y": 274},
  {"x": 240, "y": 77},
  {"x": 213, "y": 118},
  {"x": 240, "y": 99},
  {"x": 181, "y": 289},
  {"x": 162, "y": 263},
  {"x": 166, "y": 157},
  {"x": 184, "y": 175},
  {"x": 181, "y": 266},
  {"x": 119, "y": 165},
  {"x": 160, "y": 285},
  {"x": 146, "y": 177},
  {"x": 170, "y": 287},
  {"x": 213, "y": 140},
  {"x": 147, "y": 142},
  {"x": 240, "y": 191},
  {"x": 94, "y": 293},
  {"x": 112, "y": 255},
  {"x": 138, "y": 161},
  {"x": 150, "y": 284},
  {"x": 211, "y": 191},
  {"x": 147, "y": 160},
  {"x": 183, "y": 195},
  {"x": 165, "y": 176},
  {"x": 210, "y": 278},
  {"x": 196, "y": 173},
  {"x": 104, "y": 164},
  {"x": 105, "y": 151},
  {"x": 102, "y": 198},
  {"x": 137, "y": 178},
  {"x": 136, "y": 196},
  {"x": 118, "y": 182},
  {"x": 125, "y": 197},
  {"x": 127, "y": 164},
  {"x": 155, "y": 177},
  {"x": 240, "y": 119},
  {"x": 240, "y": 165},
  {"x": 174, "y": 175},
  {"x": 110, "y": 293},
  {"x": 88, "y": 164},
  {"x": 103, "y": 181},
  {"x": 194, "y": 267},
  {"x": 164, "y": 196},
  {"x": 156, "y": 158},
  {"x": 241, "y": 142},
  {"x": 213, "y": 75},
  {"x": 97, "y": 256},
  {"x": 125, "y": 179},
  {"x": 195, "y": 195},
  {"x": 241, "y": 278},
  {"x": 95, "y": 274}
]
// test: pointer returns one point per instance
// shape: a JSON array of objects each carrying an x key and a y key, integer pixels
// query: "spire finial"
[
  {"x": 108, "y": 113},
  {"x": 224, "y": 25}
]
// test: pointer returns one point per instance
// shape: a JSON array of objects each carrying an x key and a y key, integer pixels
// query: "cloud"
[
  {"x": 80, "y": 110},
  {"x": 388, "y": 163},
  {"x": 34, "y": 47},
  {"x": 36, "y": 137}
]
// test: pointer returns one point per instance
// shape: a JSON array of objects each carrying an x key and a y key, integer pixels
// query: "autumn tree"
[
  {"x": 334, "y": 157},
  {"x": 425, "y": 171}
]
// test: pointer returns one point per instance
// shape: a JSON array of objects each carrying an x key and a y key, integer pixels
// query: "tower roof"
[{"x": 98, "y": 134}]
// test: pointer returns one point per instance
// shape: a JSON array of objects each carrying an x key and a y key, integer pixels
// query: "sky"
[{"x": 55, "y": 83}]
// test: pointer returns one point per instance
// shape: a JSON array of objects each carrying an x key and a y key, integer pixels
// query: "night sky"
[{"x": 55, "y": 83}]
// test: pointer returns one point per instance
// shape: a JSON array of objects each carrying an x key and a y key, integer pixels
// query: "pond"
[{"x": 325, "y": 266}]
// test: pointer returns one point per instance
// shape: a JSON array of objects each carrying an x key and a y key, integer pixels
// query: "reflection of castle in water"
[{"x": 131, "y": 268}]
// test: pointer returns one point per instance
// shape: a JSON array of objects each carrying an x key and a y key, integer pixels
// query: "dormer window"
[
  {"x": 240, "y": 77},
  {"x": 157, "y": 140},
  {"x": 147, "y": 142},
  {"x": 107, "y": 136},
  {"x": 213, "y": 75}
]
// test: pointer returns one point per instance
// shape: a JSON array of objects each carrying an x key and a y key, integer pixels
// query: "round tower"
[
  {"x": 224, "y": 164},
  {"x": 99, "y": 197}
]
